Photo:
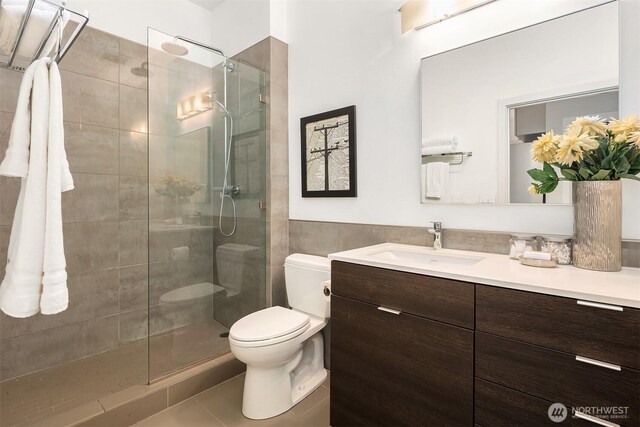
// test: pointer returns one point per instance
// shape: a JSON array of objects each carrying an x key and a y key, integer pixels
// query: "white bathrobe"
[{"x": 36, "y": 252}]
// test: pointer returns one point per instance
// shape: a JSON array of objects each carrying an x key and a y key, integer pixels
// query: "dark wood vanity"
[{"x": 415, "y": 350}]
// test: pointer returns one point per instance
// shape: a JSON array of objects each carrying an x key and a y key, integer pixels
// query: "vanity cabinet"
[
  {"x": 399, "y": 355},
  {"x": 415, "y": 350},
  {"x": 555, "y": 349}
]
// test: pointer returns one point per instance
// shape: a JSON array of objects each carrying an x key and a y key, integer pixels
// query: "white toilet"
[{"x": 283, "y": 348}]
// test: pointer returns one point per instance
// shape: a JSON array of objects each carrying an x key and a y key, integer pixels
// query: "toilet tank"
[{"x": 304, "y": 277}]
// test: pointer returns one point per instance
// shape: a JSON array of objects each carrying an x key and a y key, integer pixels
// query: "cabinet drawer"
[
  {"x": 444, "y": 300},
  {"x": 556, "y": 376},
  {"x": 398, "y": 370},
  {"x": 499, "y": 406},
  {"x": 561, "y": 324}
]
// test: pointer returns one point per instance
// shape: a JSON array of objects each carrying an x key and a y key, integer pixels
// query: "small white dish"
[{"x": 541, "y": 263}]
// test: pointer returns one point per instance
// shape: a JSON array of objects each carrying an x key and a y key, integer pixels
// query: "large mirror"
[{"x": 485, "y": 103}]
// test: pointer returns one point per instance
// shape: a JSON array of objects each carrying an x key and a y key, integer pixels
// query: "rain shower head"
[
  {"x": 174, "y": 48},
  {"x": 141, "y": 71}
]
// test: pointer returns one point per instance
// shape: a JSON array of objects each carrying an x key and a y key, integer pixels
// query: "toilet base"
[{"x": 269, "y": 392}]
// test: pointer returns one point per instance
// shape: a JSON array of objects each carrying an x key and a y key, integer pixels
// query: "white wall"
[
  {"x": 239, "y": 24},
  {"x": 130, "y": 18},
  {"x": 353, "y": 53}
]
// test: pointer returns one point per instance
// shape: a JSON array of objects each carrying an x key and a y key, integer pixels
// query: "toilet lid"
[{"x": 272, "y": 322}]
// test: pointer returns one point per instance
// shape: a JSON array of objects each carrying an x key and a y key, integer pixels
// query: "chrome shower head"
[{"x": 174, "y": 48}]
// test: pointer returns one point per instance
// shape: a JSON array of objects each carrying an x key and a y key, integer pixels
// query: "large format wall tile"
[
  {"x": 46, "y": 349},
  {"x": 92, "y": 294},
  {"x": 133, "y": 59},
  {"x": 133, "y": 242},
  {"x": 133, "y": 197},
  {"x": 95, "y": 54},
  {"x": 133, "y": 287},
  {"x": 9, "y": 86},
  {"x": 89, "y": 100},
  {"x": 133, "y": 153},
  {"x": 91, "y": 149},
  {"x": 133, "y": 109},
  {"x": 90, "y": 246},
  {"x": 94, "y": 198}
]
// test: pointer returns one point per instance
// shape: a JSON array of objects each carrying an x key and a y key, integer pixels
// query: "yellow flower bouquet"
[{"x": 591, "y": 149}]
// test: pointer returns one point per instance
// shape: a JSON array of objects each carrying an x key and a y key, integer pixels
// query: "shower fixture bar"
[
  {"x": 202, "y": 45},
  {"x": 8, "y": 59}
]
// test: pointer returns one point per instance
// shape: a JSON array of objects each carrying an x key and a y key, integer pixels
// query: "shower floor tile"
[{"x": 39, "y": 395}]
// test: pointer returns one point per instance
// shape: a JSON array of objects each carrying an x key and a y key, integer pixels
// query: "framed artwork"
[{"x": 329, "y": 153}]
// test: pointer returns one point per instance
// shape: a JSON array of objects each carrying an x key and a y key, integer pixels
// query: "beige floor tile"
[
  {"x": 318, "y": 416},
  {"x": 225, "y": 401},
  {"x": 310, "y": 401},
  {"x": 188, "y": 413}
]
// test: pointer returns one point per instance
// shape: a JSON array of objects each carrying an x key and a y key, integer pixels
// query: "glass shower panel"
[{"x": 207, "y": 232}]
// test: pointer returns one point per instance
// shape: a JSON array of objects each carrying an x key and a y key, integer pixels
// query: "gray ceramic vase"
[{"x": 597, "y": 225}]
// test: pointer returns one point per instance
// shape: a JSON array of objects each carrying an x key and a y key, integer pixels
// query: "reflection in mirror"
[
  {"x": 191, "y": 156},
  {"x": 486, "y": 93},
  {"x": 527, "y": 122}
]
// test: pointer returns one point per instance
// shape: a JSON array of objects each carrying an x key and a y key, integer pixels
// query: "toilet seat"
[{"x": 269, "y": 326}]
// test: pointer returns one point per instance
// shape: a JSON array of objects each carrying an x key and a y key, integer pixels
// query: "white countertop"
[{"x": 619, "y": 288}]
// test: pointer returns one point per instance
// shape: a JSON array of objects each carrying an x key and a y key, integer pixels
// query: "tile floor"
[
  {"x": 46, "y": 393},
  {"x": 221, "y": 406}
]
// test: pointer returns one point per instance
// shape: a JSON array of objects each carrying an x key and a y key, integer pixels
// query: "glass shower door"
[{"x": 207, "y": 232}]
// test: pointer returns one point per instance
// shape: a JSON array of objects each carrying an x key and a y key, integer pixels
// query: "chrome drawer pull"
[
  {"x": 389, "y": 310},
  {"x": 595, "y": 420},
  {"x": 598, "y": 305},
  {"x": 598, "y": 363}
]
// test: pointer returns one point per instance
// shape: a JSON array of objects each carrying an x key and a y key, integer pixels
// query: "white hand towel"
[
  {"x": 438, "y": 149},
  {"x": 20, "y": 289},
  {"x": 437, "y": 177},
  {"x": 55, "y": 296},
  {"x": 16, "y": 160}
]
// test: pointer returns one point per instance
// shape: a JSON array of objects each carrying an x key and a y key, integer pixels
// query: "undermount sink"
[{"x": 426, "y": 256}]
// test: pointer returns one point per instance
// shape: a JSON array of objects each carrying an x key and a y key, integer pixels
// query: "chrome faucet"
[{"x": 436, "y": 230}]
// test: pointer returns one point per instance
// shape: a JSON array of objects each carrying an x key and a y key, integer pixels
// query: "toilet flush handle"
[{"x": 327, "y": 288}]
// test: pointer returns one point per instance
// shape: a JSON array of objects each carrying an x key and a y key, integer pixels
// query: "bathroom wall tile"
[
  {"x": 92, "y": 294},
  {"x": 133, "y": 242},
  {"x": 279, "y": 62},
  {"x": 133, "y": 197},
  {"x": 278, "y": 153},
  {"x": 5, "y": 232},
  {"x": 172, "y": 316},
  {"x": 95, "y": 53},
  {"x": 89, "y": 100},
  {"x": 133, "y": 287},
  {"x": 631, "y": 253},
  {"x": 130, "y": 413},
  {"x": 94, "y": 198},
  {"x": 133, "y": 325},
  {"x": 133, "y": 153},
  {"x": 257, "y": 55},
  {"x": 6, "y": 120},
  {"x": 10, "y": 85},
  {"x": 278, "y": 197},
  {"x": 91, "y": 149},
  {"x": 9, "y": 191},
  {"x": 279, "y": 107},
  {"x": 91, "y": 246},
  {"x": 161, "y": 243},
  {"x": 278, "y": 288},
  {"x": 133, "y": 57},
  {"x": 279, "y": 242},
  {"x": 469, "y": 240},
  {"x": 133, "y": 109},
  {"x": 204, "y": 381},
  {"x": 50, "y": 348}
]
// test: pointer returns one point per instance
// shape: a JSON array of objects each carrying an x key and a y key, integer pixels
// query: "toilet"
[{"x": 283, "y": 348}]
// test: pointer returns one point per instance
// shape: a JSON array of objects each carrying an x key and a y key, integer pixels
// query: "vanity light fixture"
[
  {"x": 194, "y": 104},
  {"x": 417, "y": 14}
]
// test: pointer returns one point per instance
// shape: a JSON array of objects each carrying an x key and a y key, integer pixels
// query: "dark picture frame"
[{"x": 328, "y": 151}]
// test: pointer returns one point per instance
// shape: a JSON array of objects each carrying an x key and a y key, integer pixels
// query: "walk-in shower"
[
  {"x": 165, "y": 233},
  {"x": 207, "y": 232}
]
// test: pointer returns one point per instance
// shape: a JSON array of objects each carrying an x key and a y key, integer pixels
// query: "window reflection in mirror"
[{"x": 527, "y": 122}]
